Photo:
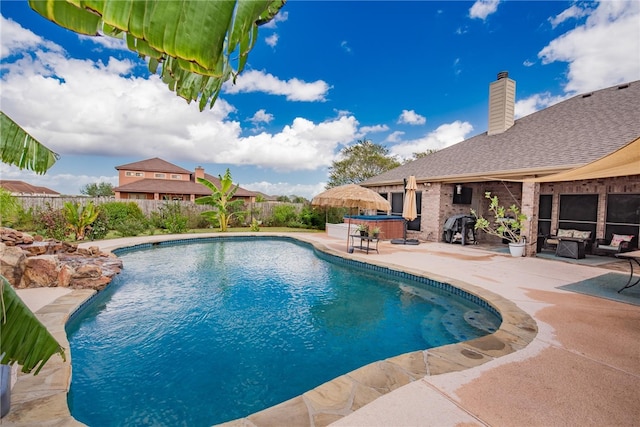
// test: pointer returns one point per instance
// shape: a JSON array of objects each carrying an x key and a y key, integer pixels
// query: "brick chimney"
[
  {"x": 199, "y": 172},
  {"x": 502, "y": 101}
]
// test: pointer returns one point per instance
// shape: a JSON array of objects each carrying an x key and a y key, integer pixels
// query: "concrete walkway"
[{"x": 582, "y": 367}]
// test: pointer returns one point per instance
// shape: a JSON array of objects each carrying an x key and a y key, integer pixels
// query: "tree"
[
  {"x": 192, "y": 41},
  {"x": 23, "y": 338},
  {"x": 359, "y": 163},
  {"x": 421, "y": 154},
  {"x": 220, "y": 199},
  {"x": 97, "y": 189}
]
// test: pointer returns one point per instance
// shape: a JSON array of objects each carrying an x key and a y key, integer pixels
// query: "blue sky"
[{"x": 411, "y": 76}]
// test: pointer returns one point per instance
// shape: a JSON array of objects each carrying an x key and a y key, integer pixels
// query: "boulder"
[
  {"x": 12, "y": 263},
  {"x": 40, "y": 271}
]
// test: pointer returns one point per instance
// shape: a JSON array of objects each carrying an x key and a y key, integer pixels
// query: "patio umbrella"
[
  {"x": 409, "y": 210},
  {"x": 351, "y": 196}
]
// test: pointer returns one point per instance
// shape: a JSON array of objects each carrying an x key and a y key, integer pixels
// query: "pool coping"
[{"x": 42, "y": 399}]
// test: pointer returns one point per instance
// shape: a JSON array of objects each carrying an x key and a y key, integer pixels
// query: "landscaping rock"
[{"x": 31, "y": 262}]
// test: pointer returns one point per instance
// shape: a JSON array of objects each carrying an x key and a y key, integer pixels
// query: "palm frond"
[
  {"x": 23, "y": 338},
  {"x": 193, "y": 41},
  {"x": 18, "y": 148}
]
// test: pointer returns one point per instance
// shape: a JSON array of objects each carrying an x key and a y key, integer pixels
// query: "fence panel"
[{"x": 261, "y": 211}]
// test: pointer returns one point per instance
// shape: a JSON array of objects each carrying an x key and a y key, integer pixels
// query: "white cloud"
[
  {"x": 410, "y": 117},
  {"x": 294, "y": 89},
  {"x": 536, "y": 102},
  {"x": 395, "y": 137},
  {"x": 107, "y": 42},
  {"x": 444, "y": 136},
  {"x": 373, "y": 129},
  {"x": 602, "y": 52},
  {"x": 16, "y": 39},
  {"x": 481, "y": 9},
  {"x": 573, "y": 12},
  {"x": 261, "y": 116},
  {"x": 90, "y": 108},
  {"x": 271, "y": 40},
  {"x": 345, "y": 46}
]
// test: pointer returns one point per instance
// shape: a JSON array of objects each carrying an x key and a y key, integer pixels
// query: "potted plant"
[
  {"x": 507, "y": 224},
  {"x": 363, "y": 229},
  {"x": 375, "y": 232}
]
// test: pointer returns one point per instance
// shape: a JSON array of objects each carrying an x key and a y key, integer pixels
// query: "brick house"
[
  {"x": 157, "y": 179},
  {"x": 575, "y": 164}
]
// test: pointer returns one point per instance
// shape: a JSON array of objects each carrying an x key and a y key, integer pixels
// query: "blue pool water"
[{"x": 199, "y": 334}]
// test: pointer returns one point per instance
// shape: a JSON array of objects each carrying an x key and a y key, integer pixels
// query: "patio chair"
[{"x": 619, "y": 243}]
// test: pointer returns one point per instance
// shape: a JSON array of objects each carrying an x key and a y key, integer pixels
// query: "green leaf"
[
  {"x": 20, "y": 149},
  {"x": 187, "y": 37},
  {"x": 23, "y": 338}
]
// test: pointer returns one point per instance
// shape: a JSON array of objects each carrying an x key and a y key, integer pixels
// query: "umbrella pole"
[{"x": 348, "y": 228}]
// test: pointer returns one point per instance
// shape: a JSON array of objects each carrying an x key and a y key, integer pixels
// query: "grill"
[{"x": 460, "y": 228}]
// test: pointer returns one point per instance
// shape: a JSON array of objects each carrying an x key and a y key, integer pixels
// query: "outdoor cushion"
[
  {"x": 581, "y": 234},
  {"x": 565, "y": 233},
  {"x": 619, "y": 238}
]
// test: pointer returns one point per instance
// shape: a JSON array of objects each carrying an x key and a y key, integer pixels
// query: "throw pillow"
[
  {"x": 619, "y": 238},
  {"x": 565, "y": 233},
  {"x": 581, "y": 234}
]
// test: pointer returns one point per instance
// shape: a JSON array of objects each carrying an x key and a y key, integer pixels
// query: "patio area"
[{"x": 581, "y": 368}]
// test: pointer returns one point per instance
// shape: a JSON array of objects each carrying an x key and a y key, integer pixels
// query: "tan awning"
[{"x": 622, "y": 162}]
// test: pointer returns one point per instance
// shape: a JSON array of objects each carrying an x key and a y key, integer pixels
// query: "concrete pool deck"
[{"x": 578, "y": 363}]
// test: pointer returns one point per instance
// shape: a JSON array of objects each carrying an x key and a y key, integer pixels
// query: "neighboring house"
[
  {"x": 21, "y": 188},
  {"x": 157, "y": 179},
  {"x": 575, "y": 164}
]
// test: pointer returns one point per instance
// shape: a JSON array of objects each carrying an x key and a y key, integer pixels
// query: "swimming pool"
[{"x": 314, "y": 319}]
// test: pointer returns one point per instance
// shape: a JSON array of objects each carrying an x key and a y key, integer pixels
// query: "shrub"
[
  {"x": 10, "y": 208},
  {"x": 312, "y": 217},
  {"x": 100, "y": 227},
  {"x": 255, "y": 225},
  {"x": 51, "y": 223},
  {"x": 283, "y": 215},
  {"x": 117, "y": 212},
  {"x": 131, "y": 227},
  {"x": 170, "y": 218}
]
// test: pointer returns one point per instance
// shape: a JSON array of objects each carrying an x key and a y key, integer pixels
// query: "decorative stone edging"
[{"x": 42, "y": 399}]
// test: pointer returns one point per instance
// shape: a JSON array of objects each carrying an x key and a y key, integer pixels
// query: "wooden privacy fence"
[{"x": 261, "y": 211}]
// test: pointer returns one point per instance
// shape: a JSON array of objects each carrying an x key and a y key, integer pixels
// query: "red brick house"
[
  {"x": 157, "y": 179},
  {"x": 574, "y": 165}
]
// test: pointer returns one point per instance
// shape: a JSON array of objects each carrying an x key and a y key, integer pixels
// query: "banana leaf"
[
  {"x": 20, "y": 149},
  {"x": 186, "y": 37},
  {"x": 23, "y": 338}
]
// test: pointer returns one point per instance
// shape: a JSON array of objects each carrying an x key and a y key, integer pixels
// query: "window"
[
  {"x": 544, "y": 214},
  {"x": 579, "y": 212},
  {"x": 623, "y": 216},
  {"x": 129, "y": 173},
  {"x": 174, "y": 176},
  {"x": 160, "y": 175}
]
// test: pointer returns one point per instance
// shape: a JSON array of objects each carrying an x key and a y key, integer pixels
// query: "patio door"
[{"x": 623, "y": 216}]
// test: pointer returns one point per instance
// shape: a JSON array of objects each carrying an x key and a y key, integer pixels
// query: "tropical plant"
[
  {"x": 507, "y": 223},
  {"x": 23, "y": 339},
  {"x": 20, "y": 149},
  {"x": 192, "y": 41},
  {"x": 359, "y": 163},
  {"x": 79, "y": 217},
  {"x": 375, "y": 232},
  {"x": 363, "y": 229},
  {"x": 221, "y": 200}
]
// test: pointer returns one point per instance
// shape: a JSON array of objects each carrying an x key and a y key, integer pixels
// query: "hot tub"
[{"x": 391, "y": 226}]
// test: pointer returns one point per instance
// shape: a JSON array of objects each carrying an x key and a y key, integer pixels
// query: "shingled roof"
[
  {"x": 569, "y": 134},
  {"x": 154, "y": 165},
  {"x": 21, "y": 187}
]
